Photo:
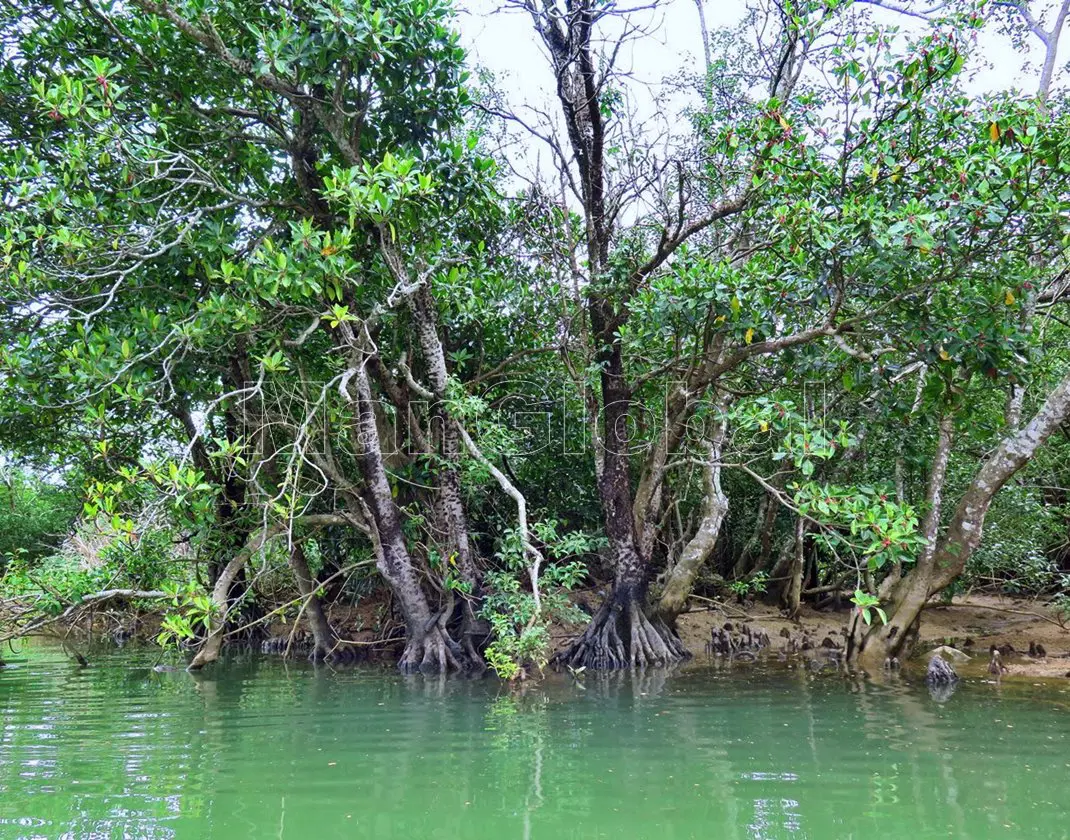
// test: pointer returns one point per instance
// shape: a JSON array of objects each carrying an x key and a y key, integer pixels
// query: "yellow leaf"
[
  {"x": 1009, "y": 298},
  {"x": 763, "y": 426},
  {"x": 784, "y": 124},
  {"x": 993, "y": 131},
  {"x": 897, "y": 174},
  {"x": 328, "y": 251},
  {"x": 720, "y": 319},
  {"x": 749, "y": 337},
  {"x": 945, "y": 355},
  {"x": 874, "y": 175}
]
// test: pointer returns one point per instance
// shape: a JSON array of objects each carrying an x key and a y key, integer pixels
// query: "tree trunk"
[
  {"x": 791, "y": 596},
  {"x": 325, "y": 641},
  {"x": 450, "y": 502},
  {"x": 621, "y": 635},
  {"x": 221, "y": 602},
  {"x": 681, "y": 578},
  {"x": 748, "y": 554},
  {"x": 757, "y": 554},
  {"x": 213, "y": 644},
  {"x": 939, "y": 566},
  {"x": 428, "y": 645}
]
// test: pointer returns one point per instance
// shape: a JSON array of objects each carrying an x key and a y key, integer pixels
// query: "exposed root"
[
  {"x": 471, "y": 628},
  {"x": 433, "y": 652},
  {"x": 340, "y": 654},
  {"x": 622, "y": 636},
  {"x": 434, "y": 649}
]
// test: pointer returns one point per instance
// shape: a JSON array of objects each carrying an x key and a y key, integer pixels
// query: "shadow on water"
[{"x": 260, "y": 747}]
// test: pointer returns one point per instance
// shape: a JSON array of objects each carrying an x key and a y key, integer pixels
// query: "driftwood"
[{"x": 76, "y": 608}]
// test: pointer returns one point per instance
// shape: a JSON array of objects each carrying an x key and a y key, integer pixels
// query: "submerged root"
[
  {"x": 340, "y": 654},
  {"x": 622, "y": 636},
  {"x": 297, "y": 645}
]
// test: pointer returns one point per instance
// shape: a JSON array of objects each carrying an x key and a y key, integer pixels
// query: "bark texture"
[
  {"x": 428, "y": 646},
  {"x": 453, "y": 526}
]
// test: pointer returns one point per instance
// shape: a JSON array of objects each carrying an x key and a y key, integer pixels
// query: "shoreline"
[{"x": 971, "y": 624}]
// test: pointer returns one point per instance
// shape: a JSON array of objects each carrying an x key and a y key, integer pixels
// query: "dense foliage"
[
  {"x": 283, "y": 289},
  {"x": 34, "y": 516}
]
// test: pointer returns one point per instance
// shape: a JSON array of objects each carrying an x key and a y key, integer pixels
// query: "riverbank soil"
[{"x": 972, "y": 624}]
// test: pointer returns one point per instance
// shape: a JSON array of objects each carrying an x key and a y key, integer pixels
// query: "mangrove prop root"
[
  {"x": 622, "y": 636},
  {"x": 433, "y": 652},
  {"x": 739, "y": 641}
]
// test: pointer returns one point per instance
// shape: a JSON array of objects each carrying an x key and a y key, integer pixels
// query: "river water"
[{"x": 261, "y": 749}]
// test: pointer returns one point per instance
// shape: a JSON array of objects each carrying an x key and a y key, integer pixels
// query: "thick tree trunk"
[
  {"x": 428, "y": 645},
  {"x": 450, "y": 502},
  {"x": 939, "y": 565},
  {"x": 621, "y": 634},
  {"x": 681, "y": 577}
]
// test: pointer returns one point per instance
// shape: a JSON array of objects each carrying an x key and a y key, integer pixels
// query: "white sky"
[
  {"x": 505, "y": 43},
  {"x": 502, "y": 40}
]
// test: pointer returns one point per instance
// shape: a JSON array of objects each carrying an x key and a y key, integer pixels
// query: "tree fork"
[{"x": 429, "y": 646}]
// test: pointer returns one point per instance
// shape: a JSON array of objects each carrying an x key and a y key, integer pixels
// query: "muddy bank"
[{"x": 971, "y": 624}]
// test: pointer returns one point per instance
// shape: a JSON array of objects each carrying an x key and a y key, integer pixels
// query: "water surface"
[{"x": 260, "y": 749}]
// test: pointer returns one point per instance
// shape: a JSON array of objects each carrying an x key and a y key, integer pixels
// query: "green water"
[{"x": 261, "y": 750}]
